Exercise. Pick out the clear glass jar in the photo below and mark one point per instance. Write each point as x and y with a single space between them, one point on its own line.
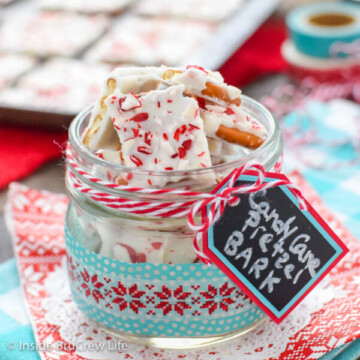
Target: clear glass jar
114 257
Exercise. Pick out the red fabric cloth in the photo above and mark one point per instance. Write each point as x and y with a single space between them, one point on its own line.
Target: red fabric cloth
260 55
22 150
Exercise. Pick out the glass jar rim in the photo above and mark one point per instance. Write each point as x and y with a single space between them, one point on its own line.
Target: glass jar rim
78 147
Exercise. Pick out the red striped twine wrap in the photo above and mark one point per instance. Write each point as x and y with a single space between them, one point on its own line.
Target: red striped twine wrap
176 209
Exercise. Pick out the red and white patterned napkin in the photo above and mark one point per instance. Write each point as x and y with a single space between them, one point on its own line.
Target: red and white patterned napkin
36 221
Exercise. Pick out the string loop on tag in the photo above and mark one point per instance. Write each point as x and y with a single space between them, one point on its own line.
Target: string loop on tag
214 203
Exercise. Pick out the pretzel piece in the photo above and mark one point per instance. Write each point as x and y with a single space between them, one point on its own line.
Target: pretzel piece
111 86
216 91
238 137
122 181
169 74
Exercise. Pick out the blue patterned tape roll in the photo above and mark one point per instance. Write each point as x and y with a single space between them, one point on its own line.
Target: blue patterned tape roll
316 40
157 300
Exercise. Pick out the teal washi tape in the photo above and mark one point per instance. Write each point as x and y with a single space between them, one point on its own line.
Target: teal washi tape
315 28
157 300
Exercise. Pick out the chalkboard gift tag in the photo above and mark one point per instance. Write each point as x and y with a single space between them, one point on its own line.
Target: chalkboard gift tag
274 251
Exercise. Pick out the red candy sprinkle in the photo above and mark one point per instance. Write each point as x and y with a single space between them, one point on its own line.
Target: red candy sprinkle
229 111
165 136
177 134
182 152
197 67
147 138
156 245
149 182
100 155
174 156
144 150
140 258
136 160
124 98
140 117
169 168
136 132
201 102
158 104
169 101
156 161
192 127
187 144
181 130
201 154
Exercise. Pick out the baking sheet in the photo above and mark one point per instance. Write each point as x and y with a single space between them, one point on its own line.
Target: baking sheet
227 37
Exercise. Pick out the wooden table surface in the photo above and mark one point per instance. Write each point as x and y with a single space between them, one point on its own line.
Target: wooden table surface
51 176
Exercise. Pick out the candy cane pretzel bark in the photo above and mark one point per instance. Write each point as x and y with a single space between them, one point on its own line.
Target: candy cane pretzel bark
150 41
207 10
12 66
101 136
150 246
111 7
51 33
221 112
166 123
161 118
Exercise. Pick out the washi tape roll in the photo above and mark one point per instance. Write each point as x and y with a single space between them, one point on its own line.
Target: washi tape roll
300 66
315 28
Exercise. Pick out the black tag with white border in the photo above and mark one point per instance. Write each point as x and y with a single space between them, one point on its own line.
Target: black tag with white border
274 251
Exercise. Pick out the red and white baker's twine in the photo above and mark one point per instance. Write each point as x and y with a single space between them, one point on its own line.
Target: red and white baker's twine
216 203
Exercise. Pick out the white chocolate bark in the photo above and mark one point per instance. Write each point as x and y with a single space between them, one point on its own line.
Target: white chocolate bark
231 117
148 41
161 130
161 119
147 246
85 6
127 79
39 33
195 79
12 66
61 85
208 10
